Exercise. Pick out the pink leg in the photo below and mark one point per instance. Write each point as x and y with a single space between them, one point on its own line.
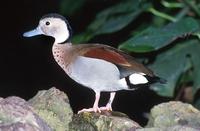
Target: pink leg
108 106
95 107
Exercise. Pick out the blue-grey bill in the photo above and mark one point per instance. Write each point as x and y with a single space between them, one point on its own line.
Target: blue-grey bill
34 32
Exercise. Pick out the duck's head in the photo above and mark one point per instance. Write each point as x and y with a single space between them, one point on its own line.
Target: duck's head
53 25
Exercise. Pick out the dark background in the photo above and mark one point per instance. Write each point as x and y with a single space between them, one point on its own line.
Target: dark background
27 65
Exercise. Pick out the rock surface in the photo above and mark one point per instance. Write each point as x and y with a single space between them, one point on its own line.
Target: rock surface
53 107
106 121
17 115
171 128
174 116
50 110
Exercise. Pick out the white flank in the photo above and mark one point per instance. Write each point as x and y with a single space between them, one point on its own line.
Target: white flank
123 83
137 79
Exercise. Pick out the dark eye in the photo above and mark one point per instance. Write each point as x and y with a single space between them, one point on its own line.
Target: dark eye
47 23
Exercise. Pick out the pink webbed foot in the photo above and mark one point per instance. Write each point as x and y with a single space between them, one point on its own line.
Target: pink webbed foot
94 109
95 106
108 107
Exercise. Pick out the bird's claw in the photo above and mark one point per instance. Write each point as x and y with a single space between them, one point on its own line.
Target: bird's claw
94 109
108 107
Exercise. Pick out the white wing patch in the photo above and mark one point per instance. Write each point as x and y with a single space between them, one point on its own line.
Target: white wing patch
138 79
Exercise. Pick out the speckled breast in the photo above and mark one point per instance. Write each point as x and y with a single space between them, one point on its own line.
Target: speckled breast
59 53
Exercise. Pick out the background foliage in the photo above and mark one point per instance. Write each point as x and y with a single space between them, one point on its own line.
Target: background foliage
165 32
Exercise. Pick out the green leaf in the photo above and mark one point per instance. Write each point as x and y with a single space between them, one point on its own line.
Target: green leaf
196 65
155 38
173 63
83 37
197 104
68 7
115 18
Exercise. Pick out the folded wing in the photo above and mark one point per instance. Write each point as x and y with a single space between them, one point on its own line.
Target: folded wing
126 63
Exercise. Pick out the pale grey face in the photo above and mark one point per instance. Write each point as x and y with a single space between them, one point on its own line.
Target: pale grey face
54 27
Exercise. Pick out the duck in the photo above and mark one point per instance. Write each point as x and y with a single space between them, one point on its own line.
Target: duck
99 67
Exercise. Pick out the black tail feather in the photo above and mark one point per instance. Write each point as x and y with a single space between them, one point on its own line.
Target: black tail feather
151 80
162 80
156 79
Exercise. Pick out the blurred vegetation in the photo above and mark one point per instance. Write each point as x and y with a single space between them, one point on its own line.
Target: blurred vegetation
166 32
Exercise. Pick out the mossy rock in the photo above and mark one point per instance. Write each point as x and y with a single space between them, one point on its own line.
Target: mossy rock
105 121
53 107
174 113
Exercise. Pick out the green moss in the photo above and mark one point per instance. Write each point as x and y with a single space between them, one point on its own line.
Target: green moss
52 119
